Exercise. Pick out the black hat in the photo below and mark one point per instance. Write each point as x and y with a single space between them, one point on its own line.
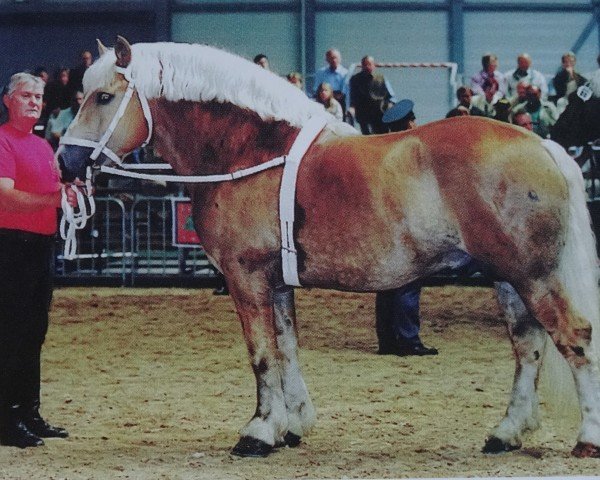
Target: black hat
399 112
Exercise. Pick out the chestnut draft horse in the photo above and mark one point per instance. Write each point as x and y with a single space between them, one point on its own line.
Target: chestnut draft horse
367 214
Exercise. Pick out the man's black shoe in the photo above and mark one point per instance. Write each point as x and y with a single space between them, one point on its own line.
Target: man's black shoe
38 426
417 349
17 435
14 433
30 415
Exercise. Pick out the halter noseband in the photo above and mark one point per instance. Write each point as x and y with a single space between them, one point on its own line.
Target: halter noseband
100 145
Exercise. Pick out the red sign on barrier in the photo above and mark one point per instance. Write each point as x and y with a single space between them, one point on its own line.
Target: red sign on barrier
184 234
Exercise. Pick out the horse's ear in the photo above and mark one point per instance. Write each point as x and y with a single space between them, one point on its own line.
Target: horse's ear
101 48
123 52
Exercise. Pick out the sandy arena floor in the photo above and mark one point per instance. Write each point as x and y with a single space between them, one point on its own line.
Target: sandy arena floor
155 384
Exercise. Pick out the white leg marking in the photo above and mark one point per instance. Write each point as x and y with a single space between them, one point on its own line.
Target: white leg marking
587 379
269 423
528 340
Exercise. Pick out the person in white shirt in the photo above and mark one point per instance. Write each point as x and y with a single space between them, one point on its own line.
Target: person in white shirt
524 72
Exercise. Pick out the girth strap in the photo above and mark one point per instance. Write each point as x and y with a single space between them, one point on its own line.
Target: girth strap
287 197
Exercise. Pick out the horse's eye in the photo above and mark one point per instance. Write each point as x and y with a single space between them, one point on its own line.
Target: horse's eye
103 98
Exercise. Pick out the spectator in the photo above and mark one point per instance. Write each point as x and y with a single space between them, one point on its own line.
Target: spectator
520 95
580 122
486 101
76 76
460 111
295 79
489 63
58 126
40 127
523 119
465 97
524 72
542 112
262 61
325 97
42 72
370 97
57 92
503 110
397 320
336 76
30 194
567 79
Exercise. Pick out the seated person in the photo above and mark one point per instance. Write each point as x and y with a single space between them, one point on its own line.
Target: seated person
325 97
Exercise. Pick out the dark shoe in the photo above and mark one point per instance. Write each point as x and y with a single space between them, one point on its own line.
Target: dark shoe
417 349
41 428
389 349
37 425
14 433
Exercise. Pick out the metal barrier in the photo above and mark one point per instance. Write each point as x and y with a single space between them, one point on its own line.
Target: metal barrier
129 242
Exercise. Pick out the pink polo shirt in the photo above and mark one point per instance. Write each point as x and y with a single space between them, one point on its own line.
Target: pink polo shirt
29 161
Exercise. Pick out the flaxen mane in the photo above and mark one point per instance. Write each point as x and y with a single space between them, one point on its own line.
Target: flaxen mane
202 73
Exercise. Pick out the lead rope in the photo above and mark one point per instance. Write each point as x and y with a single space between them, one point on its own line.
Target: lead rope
76 220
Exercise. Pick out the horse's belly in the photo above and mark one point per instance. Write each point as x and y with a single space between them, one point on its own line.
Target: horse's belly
368 257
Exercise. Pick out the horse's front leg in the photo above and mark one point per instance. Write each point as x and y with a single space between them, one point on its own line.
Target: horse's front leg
528 340
300 411
269 424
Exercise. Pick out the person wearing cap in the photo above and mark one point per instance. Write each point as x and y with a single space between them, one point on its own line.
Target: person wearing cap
397 320
400 117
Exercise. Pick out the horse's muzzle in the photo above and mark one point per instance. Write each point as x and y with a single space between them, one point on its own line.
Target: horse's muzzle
74 160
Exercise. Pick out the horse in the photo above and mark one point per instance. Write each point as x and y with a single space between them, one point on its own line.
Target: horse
289 197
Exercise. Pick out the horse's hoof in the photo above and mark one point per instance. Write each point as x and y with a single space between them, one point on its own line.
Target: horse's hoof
495 445
586 450
291 439
251 447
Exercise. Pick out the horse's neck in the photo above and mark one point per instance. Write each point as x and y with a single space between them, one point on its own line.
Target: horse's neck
204 138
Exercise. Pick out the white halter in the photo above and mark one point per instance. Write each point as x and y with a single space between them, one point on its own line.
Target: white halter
100 146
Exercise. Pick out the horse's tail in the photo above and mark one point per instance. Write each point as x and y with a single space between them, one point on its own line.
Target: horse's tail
578 268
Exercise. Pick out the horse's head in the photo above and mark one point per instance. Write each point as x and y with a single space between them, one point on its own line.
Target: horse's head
114 118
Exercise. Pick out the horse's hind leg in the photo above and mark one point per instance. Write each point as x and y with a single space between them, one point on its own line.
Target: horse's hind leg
528 340
571 332
300 411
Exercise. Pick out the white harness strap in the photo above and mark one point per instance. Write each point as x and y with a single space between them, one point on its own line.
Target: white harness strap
225 177
287 197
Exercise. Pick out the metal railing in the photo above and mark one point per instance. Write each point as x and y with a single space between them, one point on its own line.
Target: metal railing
129 242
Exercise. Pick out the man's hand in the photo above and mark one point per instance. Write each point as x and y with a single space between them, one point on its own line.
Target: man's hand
72 192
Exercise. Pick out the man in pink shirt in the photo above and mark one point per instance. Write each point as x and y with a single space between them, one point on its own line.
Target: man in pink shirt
30 193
